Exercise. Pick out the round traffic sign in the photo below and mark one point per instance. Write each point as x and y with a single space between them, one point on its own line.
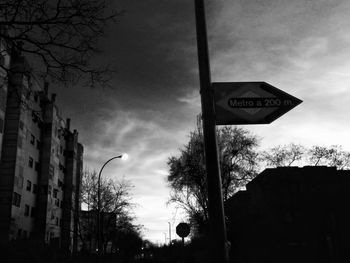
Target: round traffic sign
182 230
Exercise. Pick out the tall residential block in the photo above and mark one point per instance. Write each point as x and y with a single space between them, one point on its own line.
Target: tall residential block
4 63
41 162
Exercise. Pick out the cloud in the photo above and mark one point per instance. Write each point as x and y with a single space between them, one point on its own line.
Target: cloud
161 172
299 47
191 99
149 143
153 49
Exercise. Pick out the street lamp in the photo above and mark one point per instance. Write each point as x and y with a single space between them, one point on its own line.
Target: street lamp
123 156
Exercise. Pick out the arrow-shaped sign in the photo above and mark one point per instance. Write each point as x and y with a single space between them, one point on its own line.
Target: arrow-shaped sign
250 103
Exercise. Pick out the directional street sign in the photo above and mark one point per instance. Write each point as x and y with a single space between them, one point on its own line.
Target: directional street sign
250 103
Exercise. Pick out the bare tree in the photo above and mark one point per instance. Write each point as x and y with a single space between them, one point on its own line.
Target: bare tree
238 158
115 203
283 155
294 154
59 37
331 156
187 178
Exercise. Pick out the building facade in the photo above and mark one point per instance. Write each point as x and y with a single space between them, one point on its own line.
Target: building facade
291 214
41 162
4 63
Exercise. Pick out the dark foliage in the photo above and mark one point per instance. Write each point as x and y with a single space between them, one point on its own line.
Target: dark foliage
187 177
58 37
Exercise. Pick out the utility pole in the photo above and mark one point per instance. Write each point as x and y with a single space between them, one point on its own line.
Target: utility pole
218 240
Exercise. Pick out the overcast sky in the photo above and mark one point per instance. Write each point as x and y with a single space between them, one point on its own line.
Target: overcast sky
300 46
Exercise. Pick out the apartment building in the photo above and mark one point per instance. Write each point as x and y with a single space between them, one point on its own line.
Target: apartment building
4 63
40 165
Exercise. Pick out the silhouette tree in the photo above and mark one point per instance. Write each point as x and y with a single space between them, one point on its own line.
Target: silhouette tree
330 156
187 178
115 204
285 155
295 154
126 237
58 36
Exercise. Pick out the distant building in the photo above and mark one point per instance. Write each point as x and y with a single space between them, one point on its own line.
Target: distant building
291 214
41 162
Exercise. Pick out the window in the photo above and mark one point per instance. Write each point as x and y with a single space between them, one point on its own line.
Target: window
35 117
57 221
24 234
51 171
38 144
1 125
21 125
57 202
19 232
60 183
30 162
32 214
26 210
37 166
32 139
16 200
29 185
50 189
55 191
35 188
36 96
2 60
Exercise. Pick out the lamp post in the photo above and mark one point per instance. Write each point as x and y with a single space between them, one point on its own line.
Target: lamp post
123 156
169 233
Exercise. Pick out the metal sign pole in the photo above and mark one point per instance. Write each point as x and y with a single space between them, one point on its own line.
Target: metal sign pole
218 238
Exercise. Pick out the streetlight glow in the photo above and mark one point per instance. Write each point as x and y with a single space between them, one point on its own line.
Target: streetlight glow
125 156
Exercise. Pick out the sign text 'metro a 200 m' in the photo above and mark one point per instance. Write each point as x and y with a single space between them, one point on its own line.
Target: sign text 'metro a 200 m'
259 103
250 103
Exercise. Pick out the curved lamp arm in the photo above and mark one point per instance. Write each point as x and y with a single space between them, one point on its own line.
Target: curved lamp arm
103 166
